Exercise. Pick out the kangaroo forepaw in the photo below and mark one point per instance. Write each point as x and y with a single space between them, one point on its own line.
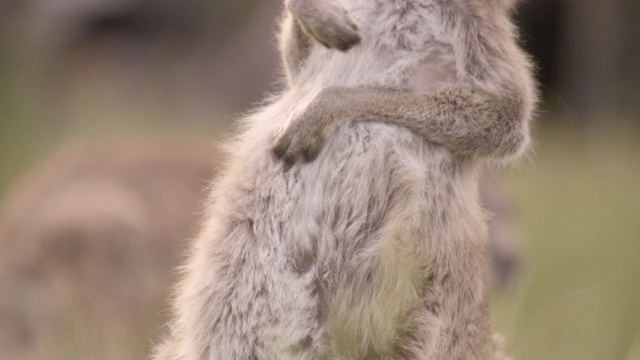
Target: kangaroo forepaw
300 138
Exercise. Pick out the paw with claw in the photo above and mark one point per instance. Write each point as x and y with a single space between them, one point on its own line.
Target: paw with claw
327 22
304 135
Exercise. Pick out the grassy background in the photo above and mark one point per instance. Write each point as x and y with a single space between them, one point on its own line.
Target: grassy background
580 210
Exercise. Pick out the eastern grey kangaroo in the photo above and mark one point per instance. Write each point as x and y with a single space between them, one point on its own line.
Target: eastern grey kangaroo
376 248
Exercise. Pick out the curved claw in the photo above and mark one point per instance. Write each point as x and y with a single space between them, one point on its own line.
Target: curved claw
284 148
310 154
280 148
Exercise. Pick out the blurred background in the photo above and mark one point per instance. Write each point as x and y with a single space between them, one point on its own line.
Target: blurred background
109 110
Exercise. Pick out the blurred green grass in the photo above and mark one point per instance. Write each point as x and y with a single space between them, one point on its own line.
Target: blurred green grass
580 209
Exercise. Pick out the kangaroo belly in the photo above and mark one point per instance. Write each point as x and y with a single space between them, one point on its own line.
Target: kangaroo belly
356 228
374 197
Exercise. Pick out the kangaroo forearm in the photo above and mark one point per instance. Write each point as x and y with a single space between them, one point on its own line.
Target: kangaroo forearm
467 121
295 45
484 112
489 61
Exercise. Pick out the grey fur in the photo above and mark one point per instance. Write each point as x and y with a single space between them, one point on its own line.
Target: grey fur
376 249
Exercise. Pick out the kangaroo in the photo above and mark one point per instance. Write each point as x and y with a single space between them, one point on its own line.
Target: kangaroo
376 248
88 239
